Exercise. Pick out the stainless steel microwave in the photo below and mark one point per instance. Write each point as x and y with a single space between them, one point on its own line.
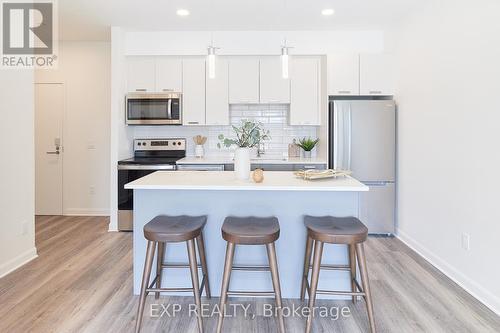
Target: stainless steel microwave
154 108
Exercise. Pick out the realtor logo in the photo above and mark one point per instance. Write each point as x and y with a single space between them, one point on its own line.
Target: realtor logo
28 34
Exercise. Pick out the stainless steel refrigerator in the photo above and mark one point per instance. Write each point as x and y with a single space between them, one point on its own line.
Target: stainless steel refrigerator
363 140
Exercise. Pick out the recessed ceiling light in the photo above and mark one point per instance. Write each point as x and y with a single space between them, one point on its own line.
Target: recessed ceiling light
327 11
182 12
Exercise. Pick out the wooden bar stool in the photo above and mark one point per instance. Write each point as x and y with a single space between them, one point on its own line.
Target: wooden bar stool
336 230
172 229
251 231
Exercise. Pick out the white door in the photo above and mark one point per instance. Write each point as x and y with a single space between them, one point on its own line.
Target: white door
243 80
376 72
217 92
49 111
305 91
168 74
141 74
343 74
193 97
274 89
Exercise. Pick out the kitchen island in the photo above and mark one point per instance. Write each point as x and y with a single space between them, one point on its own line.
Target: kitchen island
218 194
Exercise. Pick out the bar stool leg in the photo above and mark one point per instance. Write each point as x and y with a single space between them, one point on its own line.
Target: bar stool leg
148 264
307 262
318 252
273 264
193 265
366 284
352 263
159 270
204 266
228 265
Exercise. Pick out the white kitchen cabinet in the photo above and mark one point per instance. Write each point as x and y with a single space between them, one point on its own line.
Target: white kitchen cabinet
343 74
168 74
305 91
141 74
243 80
217 94
193 88
274 89
376 75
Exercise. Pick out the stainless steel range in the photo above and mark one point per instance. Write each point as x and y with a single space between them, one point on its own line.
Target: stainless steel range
150 155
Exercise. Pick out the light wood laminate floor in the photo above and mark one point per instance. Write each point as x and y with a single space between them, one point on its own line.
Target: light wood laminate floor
82 282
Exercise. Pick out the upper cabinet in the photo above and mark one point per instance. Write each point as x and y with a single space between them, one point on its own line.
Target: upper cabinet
193 91
365 75
274 89
305 103
217 94
141 74
243 80
168 74
376 74
343 74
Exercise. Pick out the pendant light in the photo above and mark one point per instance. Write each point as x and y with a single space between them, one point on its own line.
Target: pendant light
284 61
284 52
211 61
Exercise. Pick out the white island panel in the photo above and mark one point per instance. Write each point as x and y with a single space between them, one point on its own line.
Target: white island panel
217 195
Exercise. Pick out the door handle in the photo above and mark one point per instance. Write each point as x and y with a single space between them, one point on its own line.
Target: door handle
57 152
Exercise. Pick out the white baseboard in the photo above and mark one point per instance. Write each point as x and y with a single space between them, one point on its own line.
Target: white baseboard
17 262
85 212
473 288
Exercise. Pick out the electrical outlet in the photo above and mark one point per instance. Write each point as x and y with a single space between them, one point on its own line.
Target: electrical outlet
465 241
92 190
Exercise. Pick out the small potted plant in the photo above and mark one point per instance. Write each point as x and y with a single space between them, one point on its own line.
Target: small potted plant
248 135
307 144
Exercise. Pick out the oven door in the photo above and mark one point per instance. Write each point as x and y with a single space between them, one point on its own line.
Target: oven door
127 174
154 109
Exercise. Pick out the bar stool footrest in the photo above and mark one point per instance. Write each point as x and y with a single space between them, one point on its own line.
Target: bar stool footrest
250 293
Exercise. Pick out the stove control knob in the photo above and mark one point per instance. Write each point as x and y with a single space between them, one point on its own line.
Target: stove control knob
174 143
179 143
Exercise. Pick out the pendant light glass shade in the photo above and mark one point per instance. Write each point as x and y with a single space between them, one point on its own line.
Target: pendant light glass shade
284 62
211 62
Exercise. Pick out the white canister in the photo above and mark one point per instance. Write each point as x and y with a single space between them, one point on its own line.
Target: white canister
199 151
242 163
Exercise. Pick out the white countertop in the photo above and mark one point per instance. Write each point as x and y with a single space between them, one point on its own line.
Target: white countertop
260 160
226 181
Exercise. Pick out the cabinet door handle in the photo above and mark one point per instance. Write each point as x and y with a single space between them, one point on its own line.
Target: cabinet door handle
167 89
375 92
344 91
193 122
141 89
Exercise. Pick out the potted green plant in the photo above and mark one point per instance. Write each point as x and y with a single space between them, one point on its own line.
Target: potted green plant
248 135
307 144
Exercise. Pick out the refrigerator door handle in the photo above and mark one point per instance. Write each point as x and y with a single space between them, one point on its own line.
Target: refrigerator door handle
349 137
335 137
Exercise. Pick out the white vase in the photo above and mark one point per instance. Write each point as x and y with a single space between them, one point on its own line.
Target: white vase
242 163
199 151
307 154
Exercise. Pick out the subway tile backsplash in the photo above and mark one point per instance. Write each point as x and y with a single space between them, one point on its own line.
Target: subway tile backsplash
274 117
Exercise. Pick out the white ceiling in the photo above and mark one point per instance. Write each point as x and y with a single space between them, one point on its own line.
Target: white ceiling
91 19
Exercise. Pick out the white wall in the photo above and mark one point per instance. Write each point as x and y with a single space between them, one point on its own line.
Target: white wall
449 136
84 69
17 169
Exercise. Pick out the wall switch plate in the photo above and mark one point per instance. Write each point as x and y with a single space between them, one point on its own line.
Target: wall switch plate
92 190
465 241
